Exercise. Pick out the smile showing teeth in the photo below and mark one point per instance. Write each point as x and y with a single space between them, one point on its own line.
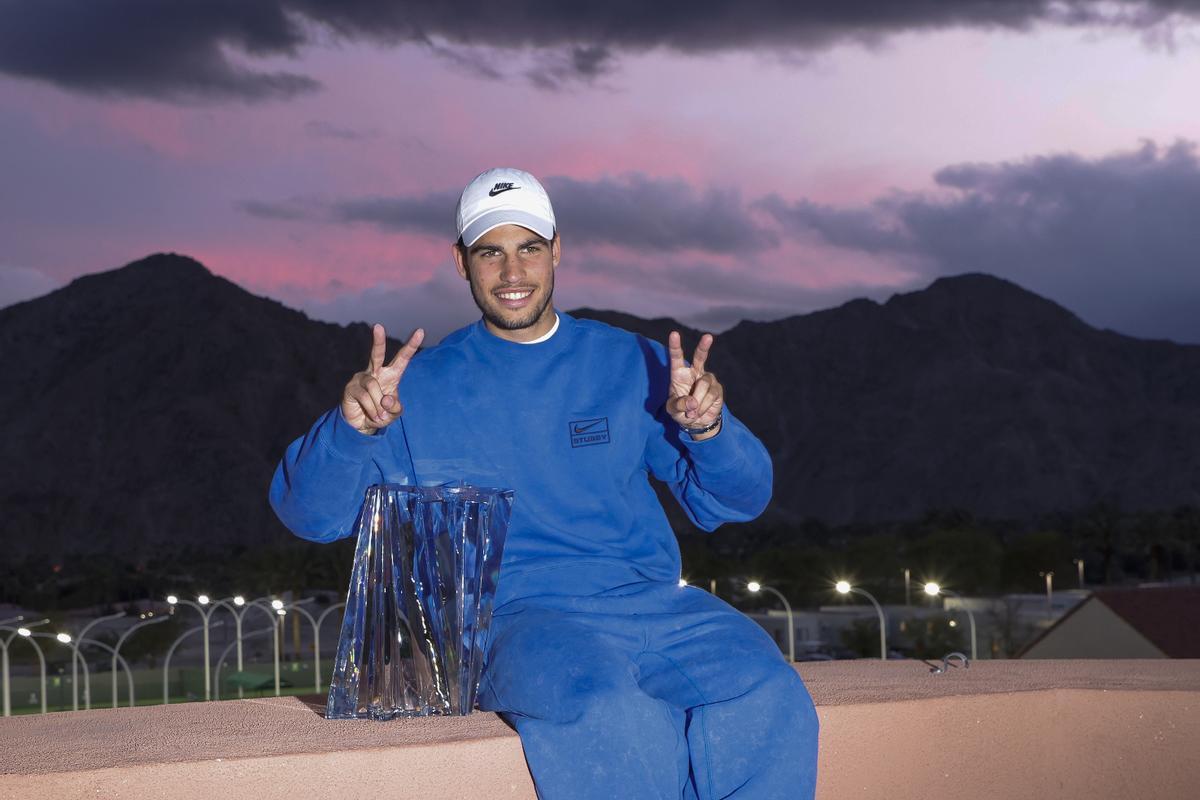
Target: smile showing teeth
521 295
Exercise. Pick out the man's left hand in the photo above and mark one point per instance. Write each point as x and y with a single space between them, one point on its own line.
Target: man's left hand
696 397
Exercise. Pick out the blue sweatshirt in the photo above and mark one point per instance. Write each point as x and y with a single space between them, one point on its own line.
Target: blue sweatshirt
573 425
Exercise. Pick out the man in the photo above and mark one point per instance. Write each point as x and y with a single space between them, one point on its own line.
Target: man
621 683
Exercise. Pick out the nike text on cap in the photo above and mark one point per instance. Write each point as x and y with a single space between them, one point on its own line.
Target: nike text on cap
504 196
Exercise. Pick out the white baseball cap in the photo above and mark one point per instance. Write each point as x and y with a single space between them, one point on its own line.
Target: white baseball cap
503 196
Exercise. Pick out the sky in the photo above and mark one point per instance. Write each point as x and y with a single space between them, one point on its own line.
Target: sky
707 161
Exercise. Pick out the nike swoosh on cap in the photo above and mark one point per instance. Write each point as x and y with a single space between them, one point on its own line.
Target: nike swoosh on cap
501 190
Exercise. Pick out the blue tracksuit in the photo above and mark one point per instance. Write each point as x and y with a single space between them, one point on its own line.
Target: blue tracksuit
621 683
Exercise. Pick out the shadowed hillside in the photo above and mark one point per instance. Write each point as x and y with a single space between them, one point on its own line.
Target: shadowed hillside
146 407
971 394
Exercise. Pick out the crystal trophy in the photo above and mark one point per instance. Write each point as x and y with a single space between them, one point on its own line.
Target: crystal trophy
420 601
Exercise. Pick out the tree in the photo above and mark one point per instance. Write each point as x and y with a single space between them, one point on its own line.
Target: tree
1032 553
1011 633
1101 528
1187 528
965 558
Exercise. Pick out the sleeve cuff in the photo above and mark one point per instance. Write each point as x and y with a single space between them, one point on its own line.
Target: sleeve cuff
722 452
343 440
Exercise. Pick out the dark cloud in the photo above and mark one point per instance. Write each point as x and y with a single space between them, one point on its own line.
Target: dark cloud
431 214
287 211
857 228
646 213
178 50
169 51
558 69
1113 238
634 211
466 60
322 129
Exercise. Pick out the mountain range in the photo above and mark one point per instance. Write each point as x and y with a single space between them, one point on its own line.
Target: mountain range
144 409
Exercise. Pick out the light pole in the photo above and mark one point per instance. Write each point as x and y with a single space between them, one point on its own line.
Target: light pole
5 689
317 639
844 587
87 681
907 586
206 613
27 635
24 633
65 639
225 652
279 609
276 610
117 654
116 658
1078 562
171 652
755 587
1049 576
5 685
933 590
236 606
316 643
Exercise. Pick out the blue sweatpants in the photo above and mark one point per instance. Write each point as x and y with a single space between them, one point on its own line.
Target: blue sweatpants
650 690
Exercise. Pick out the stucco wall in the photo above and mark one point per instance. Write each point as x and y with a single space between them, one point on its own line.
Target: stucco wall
1015 729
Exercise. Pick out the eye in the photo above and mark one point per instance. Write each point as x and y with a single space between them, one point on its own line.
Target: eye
532 248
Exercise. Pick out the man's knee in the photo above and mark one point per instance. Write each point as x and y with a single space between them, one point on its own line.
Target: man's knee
557 674
778 700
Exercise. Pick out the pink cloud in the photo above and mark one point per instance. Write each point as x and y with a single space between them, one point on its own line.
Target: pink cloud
167 130
327 260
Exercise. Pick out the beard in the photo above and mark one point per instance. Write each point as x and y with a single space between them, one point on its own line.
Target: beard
495 317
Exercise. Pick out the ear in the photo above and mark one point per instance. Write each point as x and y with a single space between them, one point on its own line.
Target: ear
460 260
555 249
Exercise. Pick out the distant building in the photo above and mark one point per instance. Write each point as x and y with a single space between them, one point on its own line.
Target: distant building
811 633
820 633
1033 609
1125 623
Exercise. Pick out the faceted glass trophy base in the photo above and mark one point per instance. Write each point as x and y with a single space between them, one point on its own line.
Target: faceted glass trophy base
420 601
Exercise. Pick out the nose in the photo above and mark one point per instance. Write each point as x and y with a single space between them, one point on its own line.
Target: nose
512 271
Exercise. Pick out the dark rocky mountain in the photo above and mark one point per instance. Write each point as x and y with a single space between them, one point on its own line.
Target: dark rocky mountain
972 394
143 410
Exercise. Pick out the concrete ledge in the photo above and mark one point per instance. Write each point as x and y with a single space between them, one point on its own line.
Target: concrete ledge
1001 729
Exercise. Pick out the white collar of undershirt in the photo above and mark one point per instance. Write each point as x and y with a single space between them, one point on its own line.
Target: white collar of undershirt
548 334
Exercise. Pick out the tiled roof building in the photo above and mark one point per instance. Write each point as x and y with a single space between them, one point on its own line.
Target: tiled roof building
1152 622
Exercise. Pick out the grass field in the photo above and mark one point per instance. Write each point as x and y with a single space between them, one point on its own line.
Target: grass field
186 684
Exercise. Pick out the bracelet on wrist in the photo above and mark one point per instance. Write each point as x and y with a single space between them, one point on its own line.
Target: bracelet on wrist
698 431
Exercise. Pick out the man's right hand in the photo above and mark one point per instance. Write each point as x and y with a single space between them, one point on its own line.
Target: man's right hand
370 401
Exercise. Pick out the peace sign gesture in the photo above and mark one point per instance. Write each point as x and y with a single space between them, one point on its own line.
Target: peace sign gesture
369 401
696 397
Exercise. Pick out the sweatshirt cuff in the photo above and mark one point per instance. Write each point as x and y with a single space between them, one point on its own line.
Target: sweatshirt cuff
341 438
722 452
